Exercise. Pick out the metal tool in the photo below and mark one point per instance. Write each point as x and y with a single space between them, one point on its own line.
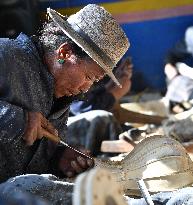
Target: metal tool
57 139
144 192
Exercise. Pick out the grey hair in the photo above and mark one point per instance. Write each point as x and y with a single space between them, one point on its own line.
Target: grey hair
52 37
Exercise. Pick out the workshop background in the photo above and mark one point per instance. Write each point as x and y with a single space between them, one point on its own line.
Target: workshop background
153 27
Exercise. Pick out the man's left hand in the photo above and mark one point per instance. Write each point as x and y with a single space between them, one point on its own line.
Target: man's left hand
72 163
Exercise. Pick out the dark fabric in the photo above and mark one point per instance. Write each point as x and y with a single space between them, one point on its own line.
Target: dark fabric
25 85
179 54
96 99
91 128
90 123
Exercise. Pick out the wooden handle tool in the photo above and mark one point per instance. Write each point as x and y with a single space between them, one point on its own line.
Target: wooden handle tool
56 139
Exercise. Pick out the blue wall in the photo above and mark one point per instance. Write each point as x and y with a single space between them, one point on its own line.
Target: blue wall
150 42
73 3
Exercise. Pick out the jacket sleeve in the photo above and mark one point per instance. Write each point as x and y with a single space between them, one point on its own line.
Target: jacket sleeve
12 116
12 122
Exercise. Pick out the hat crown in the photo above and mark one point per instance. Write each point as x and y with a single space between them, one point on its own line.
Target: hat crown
103 30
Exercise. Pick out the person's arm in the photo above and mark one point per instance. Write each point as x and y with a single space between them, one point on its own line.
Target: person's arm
123 74
118 92
12 121
17 123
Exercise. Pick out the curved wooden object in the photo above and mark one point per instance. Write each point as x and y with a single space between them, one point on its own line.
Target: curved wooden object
160 161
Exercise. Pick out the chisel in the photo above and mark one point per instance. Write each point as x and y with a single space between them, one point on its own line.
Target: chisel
57 139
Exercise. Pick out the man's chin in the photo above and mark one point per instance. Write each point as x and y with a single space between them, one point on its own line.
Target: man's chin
67 94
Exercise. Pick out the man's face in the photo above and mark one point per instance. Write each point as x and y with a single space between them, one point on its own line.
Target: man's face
77 77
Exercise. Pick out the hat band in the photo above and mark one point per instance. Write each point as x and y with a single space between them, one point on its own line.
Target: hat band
90 42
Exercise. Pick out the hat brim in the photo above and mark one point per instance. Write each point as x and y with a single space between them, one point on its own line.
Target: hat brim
79 40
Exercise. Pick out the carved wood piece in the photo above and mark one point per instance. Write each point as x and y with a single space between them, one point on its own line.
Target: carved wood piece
162 162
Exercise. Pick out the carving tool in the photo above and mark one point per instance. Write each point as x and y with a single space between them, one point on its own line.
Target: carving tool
57 139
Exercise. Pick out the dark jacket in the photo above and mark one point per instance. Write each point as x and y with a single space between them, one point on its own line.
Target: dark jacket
97 98
25 85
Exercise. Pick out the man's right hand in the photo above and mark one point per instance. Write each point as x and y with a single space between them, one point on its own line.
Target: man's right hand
37 124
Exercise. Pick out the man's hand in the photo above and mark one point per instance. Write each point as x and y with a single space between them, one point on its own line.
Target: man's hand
37 124
72 163
123 74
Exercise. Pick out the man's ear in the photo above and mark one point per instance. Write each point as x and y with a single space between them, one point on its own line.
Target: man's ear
64 51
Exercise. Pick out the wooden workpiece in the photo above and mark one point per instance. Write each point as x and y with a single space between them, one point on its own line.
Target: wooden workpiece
160 161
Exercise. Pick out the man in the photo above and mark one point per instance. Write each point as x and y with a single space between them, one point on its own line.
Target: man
39 77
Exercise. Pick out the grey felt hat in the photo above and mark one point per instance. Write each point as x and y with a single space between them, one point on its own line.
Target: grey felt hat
97 33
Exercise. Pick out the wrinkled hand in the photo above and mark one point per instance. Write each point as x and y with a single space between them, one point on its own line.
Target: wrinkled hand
37 125
72 163
123 74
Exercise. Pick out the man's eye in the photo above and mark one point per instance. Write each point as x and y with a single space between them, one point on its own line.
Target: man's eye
93 79
89 78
